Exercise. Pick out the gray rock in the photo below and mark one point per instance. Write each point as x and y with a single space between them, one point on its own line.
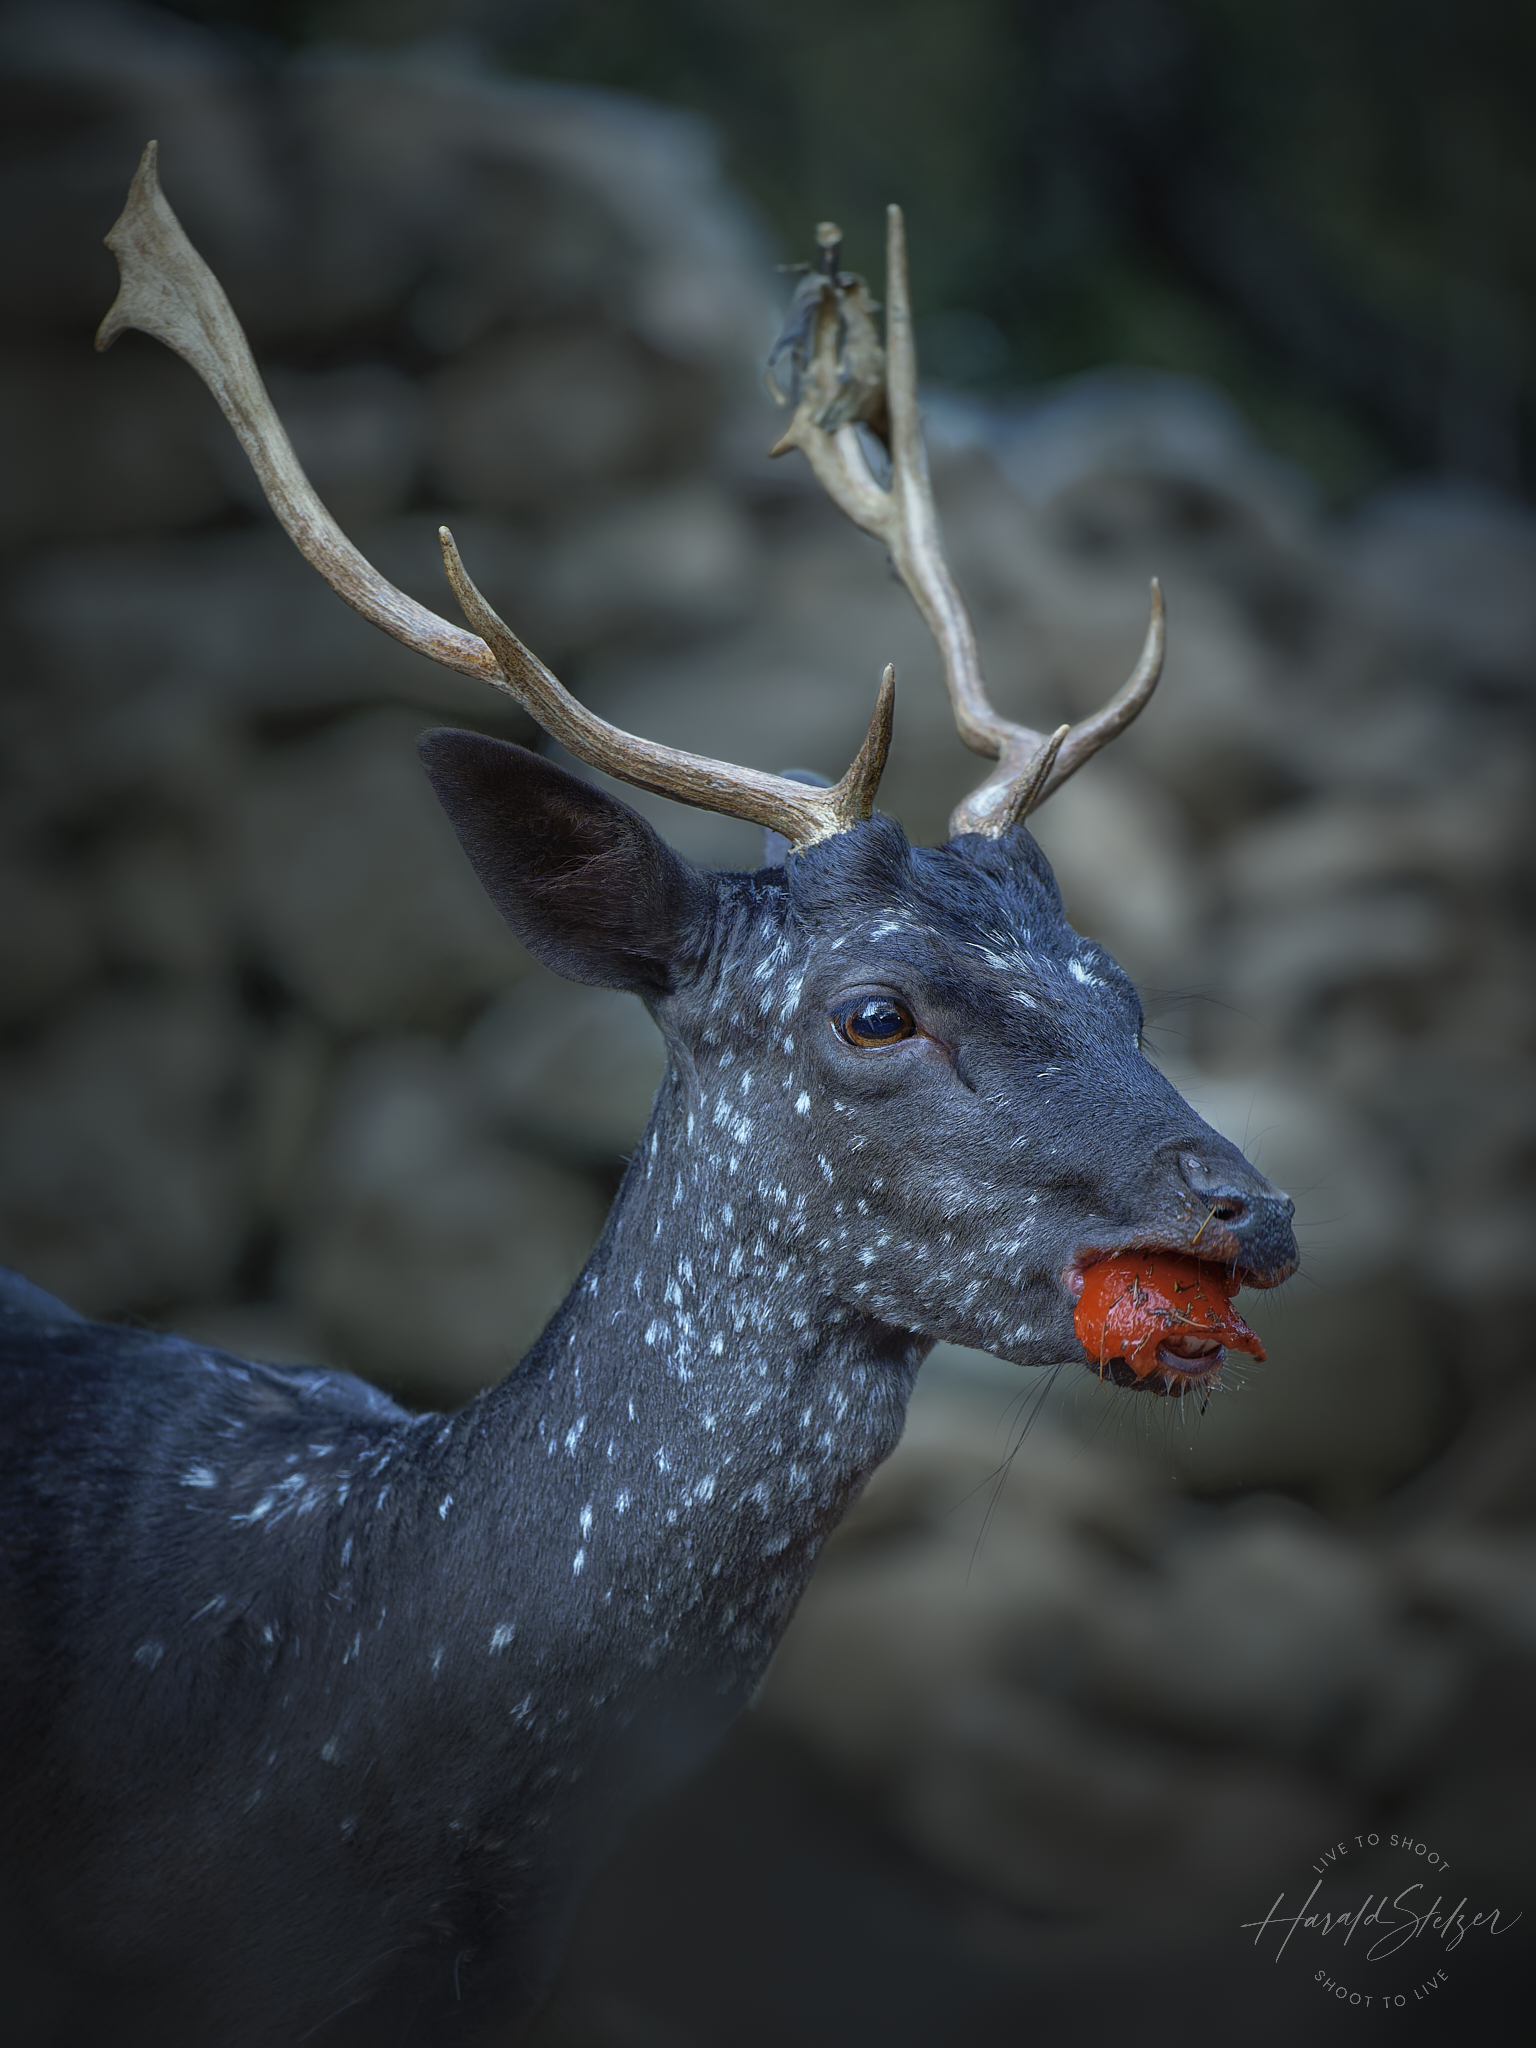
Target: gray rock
1124 860
146 663
46 942
1361 1353
122 1167
1472 1123
1454 565
530 421
1478 1576
1025 1797
159 895
290 1080
504 201
1290 963
1279 1627
1115 425
434 1255
89 449
355 891
667 563
566 1069
1305 853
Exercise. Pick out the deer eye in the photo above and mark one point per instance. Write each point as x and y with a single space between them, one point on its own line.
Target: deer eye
873 1021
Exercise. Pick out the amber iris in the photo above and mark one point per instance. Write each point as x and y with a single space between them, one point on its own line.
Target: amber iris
876 1020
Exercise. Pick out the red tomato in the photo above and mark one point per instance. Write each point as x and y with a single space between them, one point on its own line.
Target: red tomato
1160 1312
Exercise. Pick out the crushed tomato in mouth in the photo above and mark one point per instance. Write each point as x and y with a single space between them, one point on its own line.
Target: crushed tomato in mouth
1160 1312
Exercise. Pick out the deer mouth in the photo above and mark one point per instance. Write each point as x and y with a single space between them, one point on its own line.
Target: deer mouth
1216 1256
1183 1364
1157 1320
1178 1375
1193 1356
1233 1272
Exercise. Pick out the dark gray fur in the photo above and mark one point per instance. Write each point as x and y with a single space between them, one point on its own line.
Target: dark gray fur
319 1714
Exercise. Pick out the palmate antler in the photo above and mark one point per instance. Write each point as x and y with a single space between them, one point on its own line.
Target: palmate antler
167 291
840 379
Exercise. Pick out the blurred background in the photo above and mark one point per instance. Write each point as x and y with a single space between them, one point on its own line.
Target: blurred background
1238 293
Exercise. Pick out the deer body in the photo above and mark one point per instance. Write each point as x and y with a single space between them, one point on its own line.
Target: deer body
321 1713
348 1701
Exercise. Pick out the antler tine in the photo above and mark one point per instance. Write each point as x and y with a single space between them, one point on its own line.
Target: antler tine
1032 767
802 814
168 291
1031 764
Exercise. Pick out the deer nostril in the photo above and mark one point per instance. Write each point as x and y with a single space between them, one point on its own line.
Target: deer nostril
1211 1181
1236 1212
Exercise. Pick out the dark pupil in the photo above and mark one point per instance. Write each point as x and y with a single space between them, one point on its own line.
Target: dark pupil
876 1021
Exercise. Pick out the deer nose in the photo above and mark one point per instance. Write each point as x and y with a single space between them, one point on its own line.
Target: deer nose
1214 1180
1248 1215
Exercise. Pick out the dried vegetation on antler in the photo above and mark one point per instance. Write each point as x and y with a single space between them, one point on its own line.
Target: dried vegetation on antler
839 378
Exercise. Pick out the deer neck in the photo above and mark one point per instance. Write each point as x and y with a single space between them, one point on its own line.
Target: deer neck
701 1412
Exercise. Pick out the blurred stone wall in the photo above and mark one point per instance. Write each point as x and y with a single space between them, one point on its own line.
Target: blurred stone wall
274 1073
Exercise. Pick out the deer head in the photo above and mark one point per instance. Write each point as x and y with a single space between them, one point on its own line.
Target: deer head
902 1057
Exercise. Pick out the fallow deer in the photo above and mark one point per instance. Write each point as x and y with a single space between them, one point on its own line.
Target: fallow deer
317 1713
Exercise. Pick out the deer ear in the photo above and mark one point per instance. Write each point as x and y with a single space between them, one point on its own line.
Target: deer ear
584 882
